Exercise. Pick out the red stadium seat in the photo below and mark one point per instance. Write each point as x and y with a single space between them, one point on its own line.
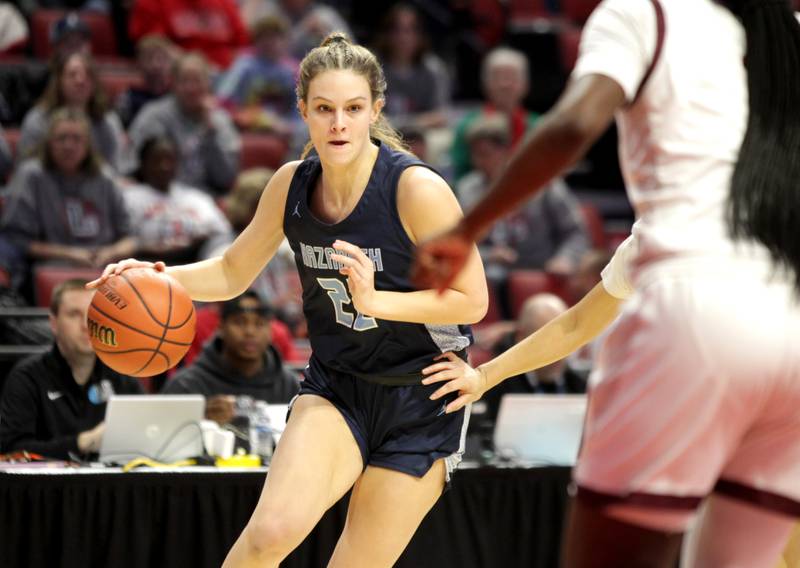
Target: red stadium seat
103 39
262 150
525 283
14 50
494 313
12 137
116 82
569 39
615 238
578 11
522 284
594 225
302 352
520 11
45 278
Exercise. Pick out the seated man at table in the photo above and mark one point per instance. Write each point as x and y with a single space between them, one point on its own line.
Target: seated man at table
556 378
54 404
239 360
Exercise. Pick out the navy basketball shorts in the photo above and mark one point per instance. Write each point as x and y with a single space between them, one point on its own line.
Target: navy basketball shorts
395 427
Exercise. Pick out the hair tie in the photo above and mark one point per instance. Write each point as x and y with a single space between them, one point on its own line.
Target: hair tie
336 38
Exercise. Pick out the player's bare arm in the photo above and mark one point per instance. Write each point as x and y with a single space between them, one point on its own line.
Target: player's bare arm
555 340
227 276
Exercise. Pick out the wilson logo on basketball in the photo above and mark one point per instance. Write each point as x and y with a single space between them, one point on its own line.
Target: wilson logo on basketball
103 334
113 297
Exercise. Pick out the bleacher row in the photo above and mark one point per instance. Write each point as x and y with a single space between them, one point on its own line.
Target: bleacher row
258 149
569 15
563 17
117 72
522 283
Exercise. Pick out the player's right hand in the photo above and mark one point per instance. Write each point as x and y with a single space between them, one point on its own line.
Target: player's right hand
118 267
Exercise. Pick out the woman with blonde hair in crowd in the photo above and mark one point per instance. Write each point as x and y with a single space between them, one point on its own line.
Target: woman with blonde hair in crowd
74 83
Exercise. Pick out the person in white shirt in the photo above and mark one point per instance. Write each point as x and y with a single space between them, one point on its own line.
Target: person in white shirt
171 220
696 388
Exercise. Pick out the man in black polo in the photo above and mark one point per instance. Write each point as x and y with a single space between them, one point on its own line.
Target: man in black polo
54 404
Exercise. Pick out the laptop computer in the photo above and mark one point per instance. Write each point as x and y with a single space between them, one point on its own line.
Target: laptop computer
165 428
540 429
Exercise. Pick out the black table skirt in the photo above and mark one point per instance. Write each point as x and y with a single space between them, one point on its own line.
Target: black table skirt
500 518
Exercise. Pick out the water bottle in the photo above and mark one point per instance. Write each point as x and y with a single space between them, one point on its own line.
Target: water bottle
261 441
240 423
244 405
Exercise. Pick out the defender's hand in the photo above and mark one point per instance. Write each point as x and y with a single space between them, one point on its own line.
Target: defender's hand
439 260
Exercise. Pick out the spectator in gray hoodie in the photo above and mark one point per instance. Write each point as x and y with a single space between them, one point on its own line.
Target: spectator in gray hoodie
240 360
209 144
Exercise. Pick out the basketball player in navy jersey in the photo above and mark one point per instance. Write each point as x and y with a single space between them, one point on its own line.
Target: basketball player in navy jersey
352 211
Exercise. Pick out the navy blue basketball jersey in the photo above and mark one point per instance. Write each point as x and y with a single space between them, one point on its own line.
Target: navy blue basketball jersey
341 338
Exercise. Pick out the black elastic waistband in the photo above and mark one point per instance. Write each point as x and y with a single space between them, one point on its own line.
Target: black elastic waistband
391 380
397 380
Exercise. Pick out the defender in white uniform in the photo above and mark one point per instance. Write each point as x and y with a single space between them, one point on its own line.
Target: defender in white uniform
697 389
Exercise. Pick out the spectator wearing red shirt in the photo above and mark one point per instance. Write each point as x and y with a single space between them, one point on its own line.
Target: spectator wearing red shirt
212 27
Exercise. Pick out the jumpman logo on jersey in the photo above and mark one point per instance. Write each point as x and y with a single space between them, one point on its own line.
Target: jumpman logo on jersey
296 210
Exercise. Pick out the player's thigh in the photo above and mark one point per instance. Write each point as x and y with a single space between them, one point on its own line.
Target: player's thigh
315 463
386 507
736 534
593 539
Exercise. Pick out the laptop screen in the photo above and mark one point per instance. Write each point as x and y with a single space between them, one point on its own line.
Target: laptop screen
537 429
165 428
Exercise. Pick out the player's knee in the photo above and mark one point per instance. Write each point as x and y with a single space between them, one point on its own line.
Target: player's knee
275 534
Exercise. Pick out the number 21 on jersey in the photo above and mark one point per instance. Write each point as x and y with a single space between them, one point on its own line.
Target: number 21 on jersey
337 292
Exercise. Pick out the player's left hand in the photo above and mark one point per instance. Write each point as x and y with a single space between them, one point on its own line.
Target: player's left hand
360 274
468 382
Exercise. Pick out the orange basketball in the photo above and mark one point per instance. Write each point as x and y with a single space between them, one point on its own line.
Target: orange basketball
141 322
